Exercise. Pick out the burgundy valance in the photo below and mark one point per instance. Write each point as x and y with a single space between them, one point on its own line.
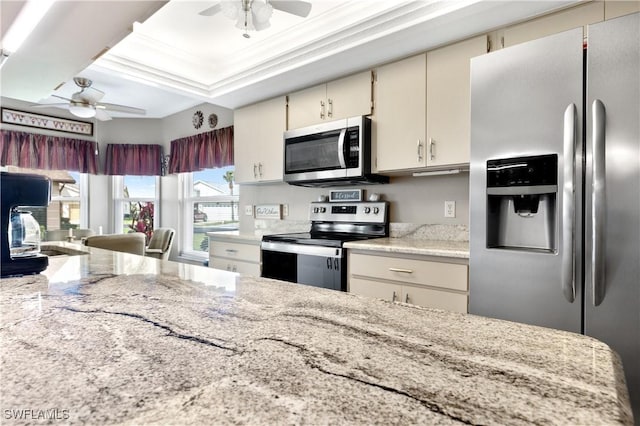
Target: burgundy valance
45 152
133 160
204 151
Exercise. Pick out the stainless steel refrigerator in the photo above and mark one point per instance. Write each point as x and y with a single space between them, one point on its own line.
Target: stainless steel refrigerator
555 186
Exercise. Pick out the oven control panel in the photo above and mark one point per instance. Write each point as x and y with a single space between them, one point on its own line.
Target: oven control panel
364 212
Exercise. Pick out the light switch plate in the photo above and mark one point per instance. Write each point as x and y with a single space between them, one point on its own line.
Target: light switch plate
248 210
449 209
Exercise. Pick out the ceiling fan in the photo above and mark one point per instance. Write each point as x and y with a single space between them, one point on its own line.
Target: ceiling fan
86 103
255 14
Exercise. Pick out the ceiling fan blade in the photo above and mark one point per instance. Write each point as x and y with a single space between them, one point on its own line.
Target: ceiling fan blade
211 10
92 95
61 97
102 115
295 7
121 108
50 105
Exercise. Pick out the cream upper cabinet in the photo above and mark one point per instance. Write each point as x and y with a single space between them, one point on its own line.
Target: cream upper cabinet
399 119
258 151
554 23
616 8
448 101
347 97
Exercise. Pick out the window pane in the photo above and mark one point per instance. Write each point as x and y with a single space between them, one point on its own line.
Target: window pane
60 213
215 204
138 217
139 187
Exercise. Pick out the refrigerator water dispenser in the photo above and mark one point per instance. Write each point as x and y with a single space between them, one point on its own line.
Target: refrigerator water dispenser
522 203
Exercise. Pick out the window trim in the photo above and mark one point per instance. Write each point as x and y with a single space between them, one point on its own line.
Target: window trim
117 195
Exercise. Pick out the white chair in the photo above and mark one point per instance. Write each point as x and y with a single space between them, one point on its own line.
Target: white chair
160 243
128 243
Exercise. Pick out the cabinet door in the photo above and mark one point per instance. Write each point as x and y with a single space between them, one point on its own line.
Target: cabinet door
399 125
307 107
235 266
448 301
349 96
258 150
448 101
375 289
574 17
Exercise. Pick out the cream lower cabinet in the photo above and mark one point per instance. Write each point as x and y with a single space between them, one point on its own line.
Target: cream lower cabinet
417 280
257 142
346 97
235 256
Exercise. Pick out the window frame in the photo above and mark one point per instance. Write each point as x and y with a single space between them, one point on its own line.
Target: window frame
117 185
187 198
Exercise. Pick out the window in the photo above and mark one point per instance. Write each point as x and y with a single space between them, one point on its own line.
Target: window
69 195
210 201
136 201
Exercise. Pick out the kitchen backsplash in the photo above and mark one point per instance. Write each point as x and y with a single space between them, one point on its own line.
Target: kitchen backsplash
414 231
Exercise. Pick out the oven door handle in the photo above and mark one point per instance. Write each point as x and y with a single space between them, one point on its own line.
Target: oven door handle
302 249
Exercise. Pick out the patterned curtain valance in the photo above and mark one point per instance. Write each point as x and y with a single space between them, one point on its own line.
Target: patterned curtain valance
134 160
204 151
45 152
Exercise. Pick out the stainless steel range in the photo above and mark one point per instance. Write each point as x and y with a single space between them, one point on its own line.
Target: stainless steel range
317 258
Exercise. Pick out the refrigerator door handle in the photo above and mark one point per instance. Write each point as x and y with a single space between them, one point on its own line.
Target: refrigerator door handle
598 200
568 205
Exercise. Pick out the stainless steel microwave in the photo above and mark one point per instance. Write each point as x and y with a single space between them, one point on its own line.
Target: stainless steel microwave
330 154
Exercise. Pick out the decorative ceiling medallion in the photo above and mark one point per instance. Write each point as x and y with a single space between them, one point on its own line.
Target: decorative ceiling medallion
198 119
213 120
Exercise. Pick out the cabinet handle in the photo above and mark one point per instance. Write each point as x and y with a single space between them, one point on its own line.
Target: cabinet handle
404 271
228 267
406 298
235 268
255 171
329 263
322 110
260 169
231 250
432 149
394 297
419 151
330 113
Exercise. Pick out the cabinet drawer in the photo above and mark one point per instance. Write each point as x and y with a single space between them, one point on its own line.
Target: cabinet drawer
248 268
247 252
377 290
429 298
434 274
448 301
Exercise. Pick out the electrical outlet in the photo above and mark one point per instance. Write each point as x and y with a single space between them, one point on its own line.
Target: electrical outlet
449 209
285 210
248 210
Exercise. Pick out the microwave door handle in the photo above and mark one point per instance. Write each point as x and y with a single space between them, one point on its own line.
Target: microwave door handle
341 147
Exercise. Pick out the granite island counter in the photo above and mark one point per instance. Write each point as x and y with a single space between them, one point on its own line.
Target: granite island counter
115 338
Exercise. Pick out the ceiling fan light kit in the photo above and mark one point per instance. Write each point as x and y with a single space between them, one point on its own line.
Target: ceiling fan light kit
82 110
254 15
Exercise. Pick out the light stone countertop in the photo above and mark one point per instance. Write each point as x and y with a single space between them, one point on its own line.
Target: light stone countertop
452 249
114 338
236 236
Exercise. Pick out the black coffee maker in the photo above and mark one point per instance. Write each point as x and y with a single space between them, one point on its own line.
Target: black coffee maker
18 191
